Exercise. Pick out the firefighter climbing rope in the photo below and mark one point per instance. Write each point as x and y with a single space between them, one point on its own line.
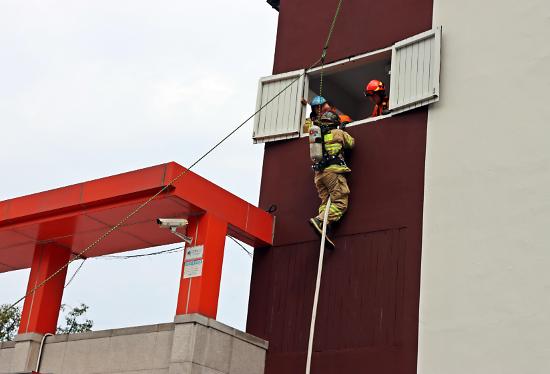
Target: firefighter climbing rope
318 149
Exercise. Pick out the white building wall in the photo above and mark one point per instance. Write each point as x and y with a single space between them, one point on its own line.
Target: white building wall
485 291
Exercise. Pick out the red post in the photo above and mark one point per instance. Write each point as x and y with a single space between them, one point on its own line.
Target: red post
41 308
199 294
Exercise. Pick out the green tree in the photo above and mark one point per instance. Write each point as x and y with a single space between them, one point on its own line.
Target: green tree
9 322
75 321
73 318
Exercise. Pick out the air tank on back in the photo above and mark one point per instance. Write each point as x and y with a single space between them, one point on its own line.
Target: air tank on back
315 143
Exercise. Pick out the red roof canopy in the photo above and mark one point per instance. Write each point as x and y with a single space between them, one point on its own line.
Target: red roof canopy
75 216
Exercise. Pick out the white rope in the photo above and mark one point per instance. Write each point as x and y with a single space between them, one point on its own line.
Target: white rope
317 287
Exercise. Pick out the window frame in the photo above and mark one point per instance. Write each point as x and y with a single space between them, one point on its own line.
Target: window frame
436 33
300 110
336 64
360 59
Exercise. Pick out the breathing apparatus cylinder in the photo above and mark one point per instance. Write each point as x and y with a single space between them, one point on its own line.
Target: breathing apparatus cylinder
315 143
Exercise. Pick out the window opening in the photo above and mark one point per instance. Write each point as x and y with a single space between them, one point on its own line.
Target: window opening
344 83
409 69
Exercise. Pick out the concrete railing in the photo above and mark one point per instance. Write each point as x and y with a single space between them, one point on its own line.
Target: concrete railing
192 344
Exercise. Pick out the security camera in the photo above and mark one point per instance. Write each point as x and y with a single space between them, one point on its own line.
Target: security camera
173 224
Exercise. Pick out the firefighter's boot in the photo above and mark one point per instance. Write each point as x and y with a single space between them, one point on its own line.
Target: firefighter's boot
317 225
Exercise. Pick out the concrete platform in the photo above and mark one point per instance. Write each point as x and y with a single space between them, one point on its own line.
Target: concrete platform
193 344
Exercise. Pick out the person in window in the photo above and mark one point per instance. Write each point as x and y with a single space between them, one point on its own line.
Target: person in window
344 120
319 106
376 92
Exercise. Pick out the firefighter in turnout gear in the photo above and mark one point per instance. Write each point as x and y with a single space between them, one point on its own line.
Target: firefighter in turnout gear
376 92
327 145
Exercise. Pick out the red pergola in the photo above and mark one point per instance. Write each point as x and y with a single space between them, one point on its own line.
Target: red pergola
42 231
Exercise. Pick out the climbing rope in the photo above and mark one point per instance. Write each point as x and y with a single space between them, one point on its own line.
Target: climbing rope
80 254
327 42
317 288
327 207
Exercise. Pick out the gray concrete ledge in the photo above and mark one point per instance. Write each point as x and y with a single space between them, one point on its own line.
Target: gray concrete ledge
30 336
212 323
110 333
7 345
180 319
191 318
192 344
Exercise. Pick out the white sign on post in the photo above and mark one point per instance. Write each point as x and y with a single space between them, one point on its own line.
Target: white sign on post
194 253
192 269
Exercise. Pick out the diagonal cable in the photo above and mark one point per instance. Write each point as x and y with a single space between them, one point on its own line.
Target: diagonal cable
129 257
163 189
242 246
185 171
75 273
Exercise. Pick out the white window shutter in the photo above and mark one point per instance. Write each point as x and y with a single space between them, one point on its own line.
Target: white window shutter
282 117
415 69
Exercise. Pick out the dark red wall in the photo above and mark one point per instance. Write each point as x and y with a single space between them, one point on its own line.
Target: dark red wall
368 308
362 26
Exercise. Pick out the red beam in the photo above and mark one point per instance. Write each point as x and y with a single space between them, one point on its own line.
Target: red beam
41 309
200 294
249 223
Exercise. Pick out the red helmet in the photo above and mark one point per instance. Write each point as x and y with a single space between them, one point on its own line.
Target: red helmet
374 86
345 119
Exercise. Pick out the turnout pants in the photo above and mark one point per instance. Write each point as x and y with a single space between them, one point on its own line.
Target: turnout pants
335 185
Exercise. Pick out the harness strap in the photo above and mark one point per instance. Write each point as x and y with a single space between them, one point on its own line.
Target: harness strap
328 161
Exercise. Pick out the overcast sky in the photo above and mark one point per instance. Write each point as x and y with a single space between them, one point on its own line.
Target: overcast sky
94 88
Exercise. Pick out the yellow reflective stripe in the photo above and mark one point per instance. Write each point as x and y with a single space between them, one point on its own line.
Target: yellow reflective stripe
338 169
307 125
333 149
337 216
328 137
348 140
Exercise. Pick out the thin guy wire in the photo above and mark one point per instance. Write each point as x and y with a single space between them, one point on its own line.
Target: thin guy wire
185 171
242 246
128 257
172 250
74 274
